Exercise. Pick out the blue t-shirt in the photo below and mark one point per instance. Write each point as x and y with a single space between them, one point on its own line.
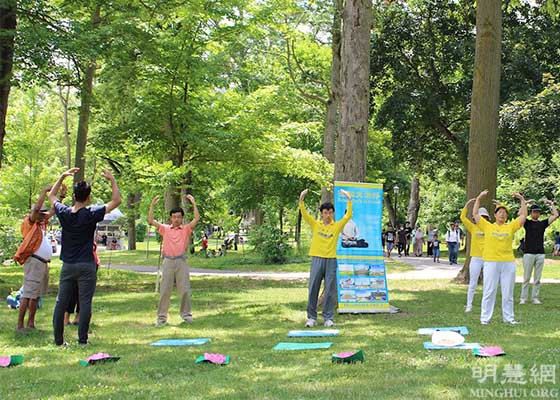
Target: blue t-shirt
78 230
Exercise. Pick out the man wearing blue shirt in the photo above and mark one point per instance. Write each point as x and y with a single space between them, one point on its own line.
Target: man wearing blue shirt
78 263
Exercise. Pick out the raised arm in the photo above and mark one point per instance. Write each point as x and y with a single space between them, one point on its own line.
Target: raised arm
468 224
34 215
56 187
523 209
151 220
196 218
476 206
554 214
304 214
115 194
348 213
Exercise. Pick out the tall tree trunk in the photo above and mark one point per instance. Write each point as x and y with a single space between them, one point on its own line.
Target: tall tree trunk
298 230
414 201
390 210
8 23
331 119
132 205
85 108
485 104
351 147
64 101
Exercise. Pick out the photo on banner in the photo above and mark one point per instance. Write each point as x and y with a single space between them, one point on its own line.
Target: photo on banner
361 274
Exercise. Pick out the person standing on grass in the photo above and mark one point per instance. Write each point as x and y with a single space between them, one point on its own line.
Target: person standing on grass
499 261
176 236
418 241
533 252
477 245
79 223
323 257
34 253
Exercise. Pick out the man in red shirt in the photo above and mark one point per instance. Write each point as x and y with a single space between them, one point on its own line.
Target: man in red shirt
176 238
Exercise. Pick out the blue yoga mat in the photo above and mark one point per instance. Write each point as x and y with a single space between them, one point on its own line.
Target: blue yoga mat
301 346
181 342
429 331
324 332
463 346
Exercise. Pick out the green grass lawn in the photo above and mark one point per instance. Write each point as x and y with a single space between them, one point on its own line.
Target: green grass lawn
245 318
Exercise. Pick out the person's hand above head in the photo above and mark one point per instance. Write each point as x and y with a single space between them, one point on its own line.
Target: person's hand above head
303 194
345 193
483 193
108 175
190 198
155 200
547 202
470 201
70 172
519 196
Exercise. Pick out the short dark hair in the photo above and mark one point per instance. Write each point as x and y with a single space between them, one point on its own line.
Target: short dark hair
81 191
326 206
176 210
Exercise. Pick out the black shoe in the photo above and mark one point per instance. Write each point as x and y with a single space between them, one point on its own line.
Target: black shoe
62 345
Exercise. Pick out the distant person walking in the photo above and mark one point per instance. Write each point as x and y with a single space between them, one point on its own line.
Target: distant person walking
499 261
430 239
175 269
533 252
418 241
453 240
556 251
323 257
79 223
390 239
401 240
477 247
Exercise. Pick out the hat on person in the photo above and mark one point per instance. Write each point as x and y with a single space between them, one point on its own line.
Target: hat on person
535 207
483 212
500 205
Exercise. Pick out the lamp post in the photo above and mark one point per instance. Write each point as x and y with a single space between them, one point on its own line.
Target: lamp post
396 192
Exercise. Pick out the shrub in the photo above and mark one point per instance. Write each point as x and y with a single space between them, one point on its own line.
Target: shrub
270 243
141 232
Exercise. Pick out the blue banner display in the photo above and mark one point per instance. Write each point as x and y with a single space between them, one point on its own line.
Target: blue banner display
361 274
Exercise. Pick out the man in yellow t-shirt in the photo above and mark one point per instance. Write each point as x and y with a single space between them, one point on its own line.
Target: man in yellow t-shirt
323 257
499 261
477 245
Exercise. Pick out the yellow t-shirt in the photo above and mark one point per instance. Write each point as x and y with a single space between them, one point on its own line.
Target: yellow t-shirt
325 237
477 236
498 240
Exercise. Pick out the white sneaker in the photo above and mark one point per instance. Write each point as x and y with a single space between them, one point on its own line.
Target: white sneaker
536 301
329 323
484 322
512 322
310 323
468 308
522 301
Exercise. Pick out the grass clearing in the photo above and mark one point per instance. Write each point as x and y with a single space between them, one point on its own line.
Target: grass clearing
245 318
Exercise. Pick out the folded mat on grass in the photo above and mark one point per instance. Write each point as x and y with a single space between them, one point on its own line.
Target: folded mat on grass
181 342
302 346
324 332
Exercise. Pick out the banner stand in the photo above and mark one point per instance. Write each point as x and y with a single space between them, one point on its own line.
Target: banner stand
361 274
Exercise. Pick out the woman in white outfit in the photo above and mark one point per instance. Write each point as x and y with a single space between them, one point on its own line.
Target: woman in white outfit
476 248
499 261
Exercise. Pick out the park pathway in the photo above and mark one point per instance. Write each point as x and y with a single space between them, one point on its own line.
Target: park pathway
424 268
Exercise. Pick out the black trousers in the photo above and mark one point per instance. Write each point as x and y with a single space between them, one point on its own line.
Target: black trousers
85 276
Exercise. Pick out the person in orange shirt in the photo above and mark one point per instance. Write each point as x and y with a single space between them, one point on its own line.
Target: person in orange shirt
176 238
34 253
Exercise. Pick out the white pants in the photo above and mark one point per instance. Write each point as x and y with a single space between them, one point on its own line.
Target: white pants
530 260
474 273
504 274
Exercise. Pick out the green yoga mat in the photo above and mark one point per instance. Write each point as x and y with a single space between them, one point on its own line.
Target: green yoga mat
302 346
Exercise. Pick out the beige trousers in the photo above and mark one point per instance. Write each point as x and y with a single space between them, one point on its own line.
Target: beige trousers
174 271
